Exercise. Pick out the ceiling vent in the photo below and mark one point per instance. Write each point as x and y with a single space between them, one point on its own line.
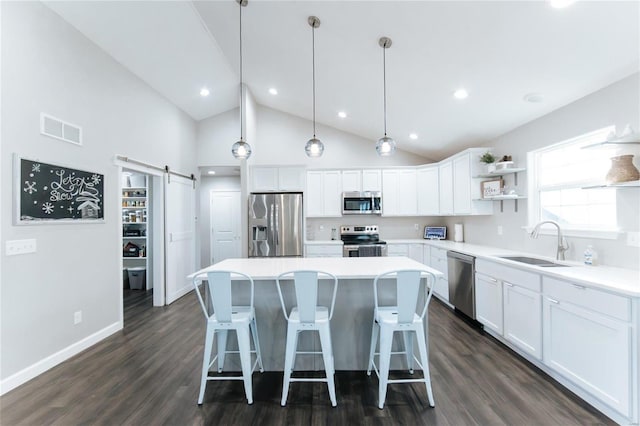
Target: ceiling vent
58 129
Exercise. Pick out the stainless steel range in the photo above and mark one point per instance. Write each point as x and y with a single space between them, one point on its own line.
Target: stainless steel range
362 241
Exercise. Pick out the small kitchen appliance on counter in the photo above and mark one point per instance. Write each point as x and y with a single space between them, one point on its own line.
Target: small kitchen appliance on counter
435 232
362 241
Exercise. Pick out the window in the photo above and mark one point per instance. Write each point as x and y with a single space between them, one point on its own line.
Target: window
559 174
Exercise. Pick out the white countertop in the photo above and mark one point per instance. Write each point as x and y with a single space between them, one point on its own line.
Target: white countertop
618 280
342 267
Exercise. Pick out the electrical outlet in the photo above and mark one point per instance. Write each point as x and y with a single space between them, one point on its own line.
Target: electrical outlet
16 247
321 227
416 226
633 239
499 229
77 317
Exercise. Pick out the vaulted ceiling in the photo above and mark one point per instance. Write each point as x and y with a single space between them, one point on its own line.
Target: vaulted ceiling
499 51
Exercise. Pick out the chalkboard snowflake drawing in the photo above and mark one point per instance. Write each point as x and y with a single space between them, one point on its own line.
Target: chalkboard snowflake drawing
47 208
35 167
30 187
95 179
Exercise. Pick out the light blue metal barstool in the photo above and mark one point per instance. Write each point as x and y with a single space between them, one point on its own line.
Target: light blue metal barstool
403 317
225 317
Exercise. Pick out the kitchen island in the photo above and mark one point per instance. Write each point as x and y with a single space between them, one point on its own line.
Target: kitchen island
353 314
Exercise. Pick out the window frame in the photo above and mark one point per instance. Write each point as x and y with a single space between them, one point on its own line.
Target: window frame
533 209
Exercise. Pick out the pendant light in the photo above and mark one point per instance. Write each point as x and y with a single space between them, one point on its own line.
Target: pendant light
314 148
241 149
386 146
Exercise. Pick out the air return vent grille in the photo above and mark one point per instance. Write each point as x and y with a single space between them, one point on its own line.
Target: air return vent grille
58 129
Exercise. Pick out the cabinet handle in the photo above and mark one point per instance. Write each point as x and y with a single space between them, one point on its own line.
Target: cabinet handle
508 284
553 300
578 286
493 280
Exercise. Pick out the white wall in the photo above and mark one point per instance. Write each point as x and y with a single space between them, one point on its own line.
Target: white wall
280 139
618 104
48 66
208 184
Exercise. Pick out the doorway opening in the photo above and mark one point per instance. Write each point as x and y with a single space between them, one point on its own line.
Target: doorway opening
137 237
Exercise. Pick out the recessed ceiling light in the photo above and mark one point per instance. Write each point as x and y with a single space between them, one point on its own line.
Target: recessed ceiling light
460 94
413 136
273 91
204 92
211 172
561 4
534 98
342 114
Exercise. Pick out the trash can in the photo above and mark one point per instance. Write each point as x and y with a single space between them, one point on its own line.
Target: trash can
137 278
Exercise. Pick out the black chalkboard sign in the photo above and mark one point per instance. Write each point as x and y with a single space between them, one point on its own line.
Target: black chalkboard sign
55 193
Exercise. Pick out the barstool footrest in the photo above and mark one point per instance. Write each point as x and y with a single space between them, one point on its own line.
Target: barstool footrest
310 379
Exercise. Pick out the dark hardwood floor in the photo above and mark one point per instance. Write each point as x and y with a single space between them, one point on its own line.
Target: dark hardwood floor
148 374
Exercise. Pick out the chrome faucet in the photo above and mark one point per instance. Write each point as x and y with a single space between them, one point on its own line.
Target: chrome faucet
562 243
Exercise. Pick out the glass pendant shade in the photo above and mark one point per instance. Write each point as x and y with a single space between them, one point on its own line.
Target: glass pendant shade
241 150
314 148
385 146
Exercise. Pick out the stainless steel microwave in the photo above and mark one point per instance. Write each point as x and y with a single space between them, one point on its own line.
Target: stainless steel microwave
369 202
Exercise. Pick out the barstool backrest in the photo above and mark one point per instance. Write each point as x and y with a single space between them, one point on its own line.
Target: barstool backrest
306 288
220 292
407 291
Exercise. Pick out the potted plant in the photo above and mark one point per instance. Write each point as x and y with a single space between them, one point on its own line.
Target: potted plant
489 159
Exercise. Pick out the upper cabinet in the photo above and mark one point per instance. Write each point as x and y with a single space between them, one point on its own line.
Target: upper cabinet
428 189
466 186
277 179
399 192
324 193
445 175
361 180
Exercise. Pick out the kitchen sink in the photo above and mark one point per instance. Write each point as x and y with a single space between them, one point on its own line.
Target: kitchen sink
533 261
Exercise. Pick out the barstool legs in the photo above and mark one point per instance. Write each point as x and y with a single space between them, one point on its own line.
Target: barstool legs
222 348
386 339
424 360
206 360
289 360
327 356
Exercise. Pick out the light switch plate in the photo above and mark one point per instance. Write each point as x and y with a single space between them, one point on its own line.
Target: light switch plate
633 239
15 247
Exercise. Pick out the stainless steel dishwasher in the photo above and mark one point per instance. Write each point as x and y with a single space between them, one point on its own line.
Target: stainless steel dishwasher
462 292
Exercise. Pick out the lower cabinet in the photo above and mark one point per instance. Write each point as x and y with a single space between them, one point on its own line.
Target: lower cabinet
523 318
328 250
438 261
591 349
489 302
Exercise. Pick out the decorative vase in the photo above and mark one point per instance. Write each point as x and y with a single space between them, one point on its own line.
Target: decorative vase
491 167
622 170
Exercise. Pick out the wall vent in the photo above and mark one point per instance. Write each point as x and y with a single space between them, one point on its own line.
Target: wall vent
58 129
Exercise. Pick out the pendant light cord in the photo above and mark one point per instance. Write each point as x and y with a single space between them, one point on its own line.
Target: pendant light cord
241 100
313 65
384 85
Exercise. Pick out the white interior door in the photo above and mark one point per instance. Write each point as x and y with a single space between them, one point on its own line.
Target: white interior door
225 225
180 243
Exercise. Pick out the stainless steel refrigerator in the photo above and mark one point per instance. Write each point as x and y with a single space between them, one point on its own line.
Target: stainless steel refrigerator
275 224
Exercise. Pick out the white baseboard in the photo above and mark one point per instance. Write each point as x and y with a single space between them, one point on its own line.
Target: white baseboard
178 294
51 361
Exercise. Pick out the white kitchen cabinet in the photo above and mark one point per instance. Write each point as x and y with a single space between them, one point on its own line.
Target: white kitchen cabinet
588 346
459 187
362 180
438 261
272 179
461 184
520 307
428 191
426 254
399 192
523 318
489 302
323 250
415 252
397 249
445 183
351 180
324 191
372 180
